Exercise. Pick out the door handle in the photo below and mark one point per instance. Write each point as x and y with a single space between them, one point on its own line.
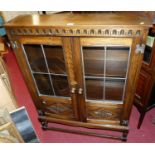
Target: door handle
44 102
80 91
73 90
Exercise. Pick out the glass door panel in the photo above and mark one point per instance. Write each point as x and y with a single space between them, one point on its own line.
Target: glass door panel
105 72
55 59
42 82
116 61
94 89
61 86
35 58
114 89
93 61
47 66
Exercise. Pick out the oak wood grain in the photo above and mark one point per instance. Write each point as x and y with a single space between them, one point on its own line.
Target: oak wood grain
72 32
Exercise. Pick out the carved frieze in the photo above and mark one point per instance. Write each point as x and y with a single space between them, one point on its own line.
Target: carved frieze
114 32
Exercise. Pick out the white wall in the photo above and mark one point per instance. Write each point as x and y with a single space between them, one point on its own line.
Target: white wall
8 15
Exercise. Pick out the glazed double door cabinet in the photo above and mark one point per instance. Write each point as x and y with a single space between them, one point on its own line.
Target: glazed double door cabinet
81 69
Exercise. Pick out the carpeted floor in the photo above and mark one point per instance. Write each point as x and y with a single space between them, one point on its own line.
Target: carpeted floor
145 134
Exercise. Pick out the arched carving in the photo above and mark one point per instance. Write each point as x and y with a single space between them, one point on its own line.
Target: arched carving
77 32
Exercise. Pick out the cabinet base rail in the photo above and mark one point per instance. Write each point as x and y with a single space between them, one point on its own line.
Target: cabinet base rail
86 133
44 121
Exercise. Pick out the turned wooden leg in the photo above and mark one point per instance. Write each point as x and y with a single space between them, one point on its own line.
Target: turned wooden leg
124 135
141 120
44 125
41 113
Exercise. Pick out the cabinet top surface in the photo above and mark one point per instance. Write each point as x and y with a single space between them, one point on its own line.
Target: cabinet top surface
86 19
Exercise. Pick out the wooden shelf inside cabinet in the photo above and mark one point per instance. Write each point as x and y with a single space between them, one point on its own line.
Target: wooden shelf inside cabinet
79 69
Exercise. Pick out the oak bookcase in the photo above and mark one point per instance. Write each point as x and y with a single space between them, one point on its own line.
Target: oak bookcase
81 69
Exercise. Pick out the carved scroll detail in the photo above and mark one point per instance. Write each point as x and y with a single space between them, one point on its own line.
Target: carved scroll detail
102 114
60 109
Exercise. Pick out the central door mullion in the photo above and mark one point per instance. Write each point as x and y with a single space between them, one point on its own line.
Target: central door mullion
104 80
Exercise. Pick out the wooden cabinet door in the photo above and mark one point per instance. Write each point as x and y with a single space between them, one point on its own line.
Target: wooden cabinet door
144 87
47 66
102 76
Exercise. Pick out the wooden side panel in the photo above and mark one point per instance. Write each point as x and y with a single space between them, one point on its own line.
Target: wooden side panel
142 86
134 69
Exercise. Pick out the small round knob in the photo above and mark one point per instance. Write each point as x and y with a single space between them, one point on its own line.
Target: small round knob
80 91
73 90
44 102
13 45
